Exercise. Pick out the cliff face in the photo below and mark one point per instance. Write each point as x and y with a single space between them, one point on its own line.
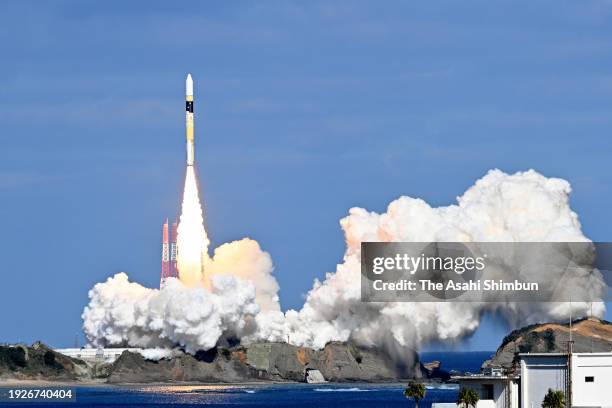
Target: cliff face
222 366
39 362
339 362
587 334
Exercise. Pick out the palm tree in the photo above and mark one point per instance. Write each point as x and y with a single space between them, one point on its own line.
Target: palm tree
415 390
467 398
554 399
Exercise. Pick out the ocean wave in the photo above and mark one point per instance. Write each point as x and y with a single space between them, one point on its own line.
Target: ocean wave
442 386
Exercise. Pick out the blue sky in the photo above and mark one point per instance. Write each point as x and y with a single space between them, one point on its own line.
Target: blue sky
304 109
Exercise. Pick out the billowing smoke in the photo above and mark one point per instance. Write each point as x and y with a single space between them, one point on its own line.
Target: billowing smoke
242 298
524 207
214 298
121 312
245 260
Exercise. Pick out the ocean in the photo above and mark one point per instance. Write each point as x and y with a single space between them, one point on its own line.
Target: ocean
273 395
462 361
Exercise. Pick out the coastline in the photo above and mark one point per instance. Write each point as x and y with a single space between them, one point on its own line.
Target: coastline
95 383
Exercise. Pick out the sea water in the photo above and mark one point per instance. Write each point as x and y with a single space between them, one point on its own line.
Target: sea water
265 395
351 395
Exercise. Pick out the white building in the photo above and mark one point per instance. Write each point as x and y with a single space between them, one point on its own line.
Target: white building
495 391
591 379
590 385
539 373
108 355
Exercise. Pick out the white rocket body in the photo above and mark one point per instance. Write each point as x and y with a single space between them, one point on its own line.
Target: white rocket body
189 120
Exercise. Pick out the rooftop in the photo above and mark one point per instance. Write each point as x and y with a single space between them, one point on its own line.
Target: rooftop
483 377
596 353
542 354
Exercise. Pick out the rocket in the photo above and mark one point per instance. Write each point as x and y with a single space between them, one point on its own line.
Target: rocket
189 119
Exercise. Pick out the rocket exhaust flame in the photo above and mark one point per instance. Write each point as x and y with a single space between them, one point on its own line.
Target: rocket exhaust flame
192 241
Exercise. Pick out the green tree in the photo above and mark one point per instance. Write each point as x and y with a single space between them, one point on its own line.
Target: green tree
467 398
554 399
416 391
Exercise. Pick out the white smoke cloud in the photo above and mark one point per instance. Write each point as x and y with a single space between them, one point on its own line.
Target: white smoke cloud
244 259
125 313
158 353
524 207
213 298
242 300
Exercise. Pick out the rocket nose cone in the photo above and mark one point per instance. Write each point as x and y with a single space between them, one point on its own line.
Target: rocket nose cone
189 85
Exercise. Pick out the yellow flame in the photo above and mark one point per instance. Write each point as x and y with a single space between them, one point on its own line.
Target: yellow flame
192 241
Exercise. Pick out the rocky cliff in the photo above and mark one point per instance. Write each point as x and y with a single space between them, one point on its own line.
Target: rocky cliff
587 335
339 362
39 362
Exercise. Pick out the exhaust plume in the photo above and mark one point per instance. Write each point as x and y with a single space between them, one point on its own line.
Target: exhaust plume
242 298
523 207
192 241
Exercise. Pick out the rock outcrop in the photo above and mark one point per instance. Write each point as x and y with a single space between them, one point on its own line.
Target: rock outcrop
338 362
39 362
587 335
217 365
433 370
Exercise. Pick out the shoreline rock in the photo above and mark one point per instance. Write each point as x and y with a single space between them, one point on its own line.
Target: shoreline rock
280 362
268 362
588 334
257 362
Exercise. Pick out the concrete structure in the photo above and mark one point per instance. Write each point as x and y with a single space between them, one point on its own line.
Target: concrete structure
540 372
587 377
108 355
495 391
591 379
